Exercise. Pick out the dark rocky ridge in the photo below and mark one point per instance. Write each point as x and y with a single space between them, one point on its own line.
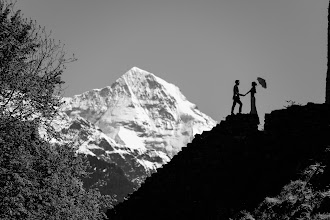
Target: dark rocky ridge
232 167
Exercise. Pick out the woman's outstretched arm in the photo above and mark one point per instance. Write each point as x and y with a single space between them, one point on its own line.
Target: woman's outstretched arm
247 92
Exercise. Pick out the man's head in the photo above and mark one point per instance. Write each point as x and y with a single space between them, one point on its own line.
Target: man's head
237 82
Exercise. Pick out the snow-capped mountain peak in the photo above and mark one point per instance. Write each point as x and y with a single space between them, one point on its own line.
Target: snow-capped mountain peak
129 129
141 111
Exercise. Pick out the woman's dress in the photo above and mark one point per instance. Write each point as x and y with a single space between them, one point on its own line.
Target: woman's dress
253 102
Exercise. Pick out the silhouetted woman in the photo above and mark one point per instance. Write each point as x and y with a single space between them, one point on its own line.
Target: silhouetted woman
253 100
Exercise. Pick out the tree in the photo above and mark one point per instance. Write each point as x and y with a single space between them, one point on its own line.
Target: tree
31 64
38 180
42 181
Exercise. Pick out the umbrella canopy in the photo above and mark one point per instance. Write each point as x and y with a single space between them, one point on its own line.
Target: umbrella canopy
262 82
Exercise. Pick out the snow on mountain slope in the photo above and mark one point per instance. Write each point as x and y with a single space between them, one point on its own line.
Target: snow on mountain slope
141 112
90 140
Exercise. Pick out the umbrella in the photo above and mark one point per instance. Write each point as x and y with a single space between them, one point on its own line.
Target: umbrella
262 82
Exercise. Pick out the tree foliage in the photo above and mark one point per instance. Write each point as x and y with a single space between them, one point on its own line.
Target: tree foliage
38 180
42 181
31 64
299 199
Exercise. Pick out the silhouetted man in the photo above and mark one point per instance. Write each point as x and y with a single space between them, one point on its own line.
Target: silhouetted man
236 98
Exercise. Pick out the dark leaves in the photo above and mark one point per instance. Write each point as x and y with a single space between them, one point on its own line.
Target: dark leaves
38 180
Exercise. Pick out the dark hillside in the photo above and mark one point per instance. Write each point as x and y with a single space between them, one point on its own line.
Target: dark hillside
232 167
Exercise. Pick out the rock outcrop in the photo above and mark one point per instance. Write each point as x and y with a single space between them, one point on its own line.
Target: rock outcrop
232 167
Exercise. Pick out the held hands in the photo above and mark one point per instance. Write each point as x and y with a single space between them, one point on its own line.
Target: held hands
246 93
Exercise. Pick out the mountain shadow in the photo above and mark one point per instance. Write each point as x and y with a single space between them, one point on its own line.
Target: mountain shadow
109 178
233 167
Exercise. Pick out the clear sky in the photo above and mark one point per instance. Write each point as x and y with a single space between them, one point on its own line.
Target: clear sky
201 46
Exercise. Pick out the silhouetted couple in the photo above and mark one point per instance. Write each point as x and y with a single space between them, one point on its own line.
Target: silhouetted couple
237 100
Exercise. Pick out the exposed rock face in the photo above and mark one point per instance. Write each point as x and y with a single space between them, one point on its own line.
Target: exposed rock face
129 129
233 167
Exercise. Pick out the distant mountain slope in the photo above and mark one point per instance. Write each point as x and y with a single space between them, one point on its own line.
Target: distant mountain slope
129 129
141 111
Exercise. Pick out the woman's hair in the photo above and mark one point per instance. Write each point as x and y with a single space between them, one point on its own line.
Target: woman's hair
236 81
254 83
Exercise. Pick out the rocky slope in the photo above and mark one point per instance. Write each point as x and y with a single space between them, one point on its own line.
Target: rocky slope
235 167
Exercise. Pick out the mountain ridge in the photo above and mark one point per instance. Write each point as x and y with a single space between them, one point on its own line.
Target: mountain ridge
132 127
